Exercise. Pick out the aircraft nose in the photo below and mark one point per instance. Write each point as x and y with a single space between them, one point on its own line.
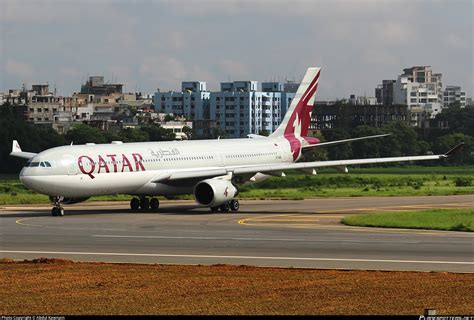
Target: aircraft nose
26 180
31 182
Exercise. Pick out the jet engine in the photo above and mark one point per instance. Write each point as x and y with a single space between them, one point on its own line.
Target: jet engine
214 192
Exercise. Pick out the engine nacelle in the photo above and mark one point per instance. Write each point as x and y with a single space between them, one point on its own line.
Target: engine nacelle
214 192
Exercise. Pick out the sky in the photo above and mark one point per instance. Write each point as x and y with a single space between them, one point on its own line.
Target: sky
150 44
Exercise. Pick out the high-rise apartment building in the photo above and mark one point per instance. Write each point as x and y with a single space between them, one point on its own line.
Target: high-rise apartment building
454 94
240 109
191 102
422 91
384 92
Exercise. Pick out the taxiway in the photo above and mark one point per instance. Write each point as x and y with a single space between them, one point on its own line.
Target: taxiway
281 233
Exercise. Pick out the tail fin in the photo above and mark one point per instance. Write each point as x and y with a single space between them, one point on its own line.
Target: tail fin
297 119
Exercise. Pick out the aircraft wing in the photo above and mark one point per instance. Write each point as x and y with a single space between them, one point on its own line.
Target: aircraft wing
278 168
16 151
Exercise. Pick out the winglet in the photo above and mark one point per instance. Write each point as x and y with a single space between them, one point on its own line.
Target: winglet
455 149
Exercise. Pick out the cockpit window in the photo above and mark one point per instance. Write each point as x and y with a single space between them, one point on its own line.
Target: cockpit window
42 164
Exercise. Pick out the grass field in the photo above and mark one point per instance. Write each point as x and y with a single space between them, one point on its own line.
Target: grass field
62 287
390 181
437 219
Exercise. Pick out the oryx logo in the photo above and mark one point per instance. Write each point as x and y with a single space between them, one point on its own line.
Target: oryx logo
298 123
226 191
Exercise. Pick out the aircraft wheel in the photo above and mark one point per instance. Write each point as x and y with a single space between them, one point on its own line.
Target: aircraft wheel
214 209
60 211
154 203
225 207
144 204
134 204
54 211
234 205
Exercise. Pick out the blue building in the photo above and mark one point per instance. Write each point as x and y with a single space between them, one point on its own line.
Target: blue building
240 108
191 102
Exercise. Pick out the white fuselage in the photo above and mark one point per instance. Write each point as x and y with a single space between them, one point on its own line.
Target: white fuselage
133 168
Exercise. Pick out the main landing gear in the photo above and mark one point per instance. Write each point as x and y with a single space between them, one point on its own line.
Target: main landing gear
232 205
57 210
144 203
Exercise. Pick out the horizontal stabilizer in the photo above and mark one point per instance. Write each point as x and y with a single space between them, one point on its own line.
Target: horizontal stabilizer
323 144
256 136
16 151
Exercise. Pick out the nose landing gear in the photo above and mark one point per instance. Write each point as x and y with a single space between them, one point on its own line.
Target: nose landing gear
57 210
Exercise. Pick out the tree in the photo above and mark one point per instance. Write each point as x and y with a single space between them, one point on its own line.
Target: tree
403 140
133 135
369 148
169 117
458 119
188 132
342 151
82 134
157 133
30 137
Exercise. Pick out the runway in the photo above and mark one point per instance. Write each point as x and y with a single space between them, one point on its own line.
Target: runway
283 233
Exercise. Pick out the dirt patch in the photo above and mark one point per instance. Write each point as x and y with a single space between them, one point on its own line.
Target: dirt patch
49 261
56 287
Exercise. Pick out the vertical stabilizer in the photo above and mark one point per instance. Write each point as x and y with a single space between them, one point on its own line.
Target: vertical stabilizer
295 124
297 119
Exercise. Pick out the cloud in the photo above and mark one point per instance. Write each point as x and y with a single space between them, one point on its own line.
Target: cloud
20 70
456 41
233 68
149 44
163 71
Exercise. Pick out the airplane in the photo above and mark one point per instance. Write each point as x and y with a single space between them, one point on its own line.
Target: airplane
212 170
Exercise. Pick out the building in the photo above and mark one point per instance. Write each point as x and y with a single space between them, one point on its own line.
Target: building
291 86
96 85
362 100
287 93
45 108
192 101
240 109
340 115
419 87
454 94
177 128
384 92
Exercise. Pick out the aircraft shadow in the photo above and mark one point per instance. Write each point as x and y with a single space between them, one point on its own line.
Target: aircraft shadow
168 210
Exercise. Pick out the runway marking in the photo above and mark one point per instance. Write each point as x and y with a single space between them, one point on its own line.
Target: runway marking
237 257
22 223
273 220
248 239
341 227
